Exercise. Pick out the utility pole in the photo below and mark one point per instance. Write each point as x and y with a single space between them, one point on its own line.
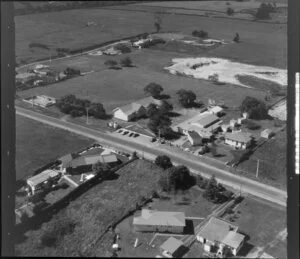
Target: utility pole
257 168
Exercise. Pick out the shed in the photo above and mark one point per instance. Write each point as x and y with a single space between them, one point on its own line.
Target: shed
216 110
267 133
172 247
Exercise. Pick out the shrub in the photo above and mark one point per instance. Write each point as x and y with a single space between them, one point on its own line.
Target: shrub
214 78
252 125
255 108
126 62
200 34
230 11
38 45
123 48
263 12
163 161
111 63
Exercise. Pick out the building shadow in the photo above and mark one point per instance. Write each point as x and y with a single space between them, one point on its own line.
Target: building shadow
189 227
246 248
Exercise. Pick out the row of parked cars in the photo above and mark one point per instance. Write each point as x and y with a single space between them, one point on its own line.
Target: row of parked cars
130 134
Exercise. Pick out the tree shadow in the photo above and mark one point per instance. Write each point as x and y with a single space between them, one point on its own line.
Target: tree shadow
246 248
115 68
173 114
163 97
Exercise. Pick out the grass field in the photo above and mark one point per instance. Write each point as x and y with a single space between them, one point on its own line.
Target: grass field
262 223
38 144
272 161
95 210
66 29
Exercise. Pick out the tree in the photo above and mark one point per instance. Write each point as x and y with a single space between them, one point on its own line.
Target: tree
71 71
230 11
126 62
153 89
255 108
152 110
211 189
157 22
200 34
180 176
97 110
160 122
111 63
165 107
163 161
236 38
186 97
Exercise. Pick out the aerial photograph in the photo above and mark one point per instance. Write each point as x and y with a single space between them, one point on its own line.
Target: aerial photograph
151 129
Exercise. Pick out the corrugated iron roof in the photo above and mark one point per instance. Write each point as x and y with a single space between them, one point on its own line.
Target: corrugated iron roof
171 245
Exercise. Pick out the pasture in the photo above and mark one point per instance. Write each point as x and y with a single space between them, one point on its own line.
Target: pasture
38 144
67 29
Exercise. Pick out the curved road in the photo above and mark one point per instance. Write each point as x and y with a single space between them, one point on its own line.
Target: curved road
237 182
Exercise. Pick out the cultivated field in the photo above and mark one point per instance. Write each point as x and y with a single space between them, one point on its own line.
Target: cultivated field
38 144
88 217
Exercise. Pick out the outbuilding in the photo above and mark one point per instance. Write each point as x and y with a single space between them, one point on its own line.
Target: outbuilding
267 133
172 248
194 138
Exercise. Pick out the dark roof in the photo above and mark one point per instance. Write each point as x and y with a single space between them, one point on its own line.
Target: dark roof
206 119
65 160
194 135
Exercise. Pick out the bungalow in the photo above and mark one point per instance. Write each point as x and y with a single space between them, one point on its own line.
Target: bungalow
84 164
267 133
159 221
238 139
218 234
172 248
194 138
37 181
135 110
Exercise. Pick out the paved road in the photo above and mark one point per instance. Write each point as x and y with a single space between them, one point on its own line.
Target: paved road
237 182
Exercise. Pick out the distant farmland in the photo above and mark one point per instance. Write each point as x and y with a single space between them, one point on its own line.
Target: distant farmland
38 144
67 29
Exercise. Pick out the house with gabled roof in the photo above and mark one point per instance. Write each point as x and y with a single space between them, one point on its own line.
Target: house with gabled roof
217 235
238 139
159 221
135 109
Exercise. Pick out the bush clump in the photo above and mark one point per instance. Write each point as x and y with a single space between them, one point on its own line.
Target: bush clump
229 11
200 34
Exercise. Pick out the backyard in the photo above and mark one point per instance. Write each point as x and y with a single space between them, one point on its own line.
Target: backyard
93 212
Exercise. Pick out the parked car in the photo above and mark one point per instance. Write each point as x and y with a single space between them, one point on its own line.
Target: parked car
136 135
126 132
153 139
120 131
131 134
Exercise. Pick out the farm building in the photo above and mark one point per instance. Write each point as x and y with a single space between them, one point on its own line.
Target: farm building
238 139
134 110
36 182
41 100
205 124
159 221
218 234
24 77
172 247
194 138
216 110
267 133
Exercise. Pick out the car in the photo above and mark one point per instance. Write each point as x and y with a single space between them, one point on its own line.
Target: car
131 134
120 131
136 135
126 132
153 139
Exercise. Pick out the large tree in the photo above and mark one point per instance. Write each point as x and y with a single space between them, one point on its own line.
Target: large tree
97 110
160 123
186 97
152 110
163 161
165 107
153 89
255 108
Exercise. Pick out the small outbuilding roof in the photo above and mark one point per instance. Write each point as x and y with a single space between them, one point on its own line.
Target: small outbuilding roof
216 109
172 245
206 120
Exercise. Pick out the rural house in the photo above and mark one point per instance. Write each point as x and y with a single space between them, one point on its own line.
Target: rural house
172 248
194 138
134 110
218 235
267 133
36 182
159 221
216 110
238 139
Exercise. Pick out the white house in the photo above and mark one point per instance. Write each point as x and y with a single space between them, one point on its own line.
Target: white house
218 234
216 110
238 139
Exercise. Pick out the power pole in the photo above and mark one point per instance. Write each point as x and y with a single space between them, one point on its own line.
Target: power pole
257 168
